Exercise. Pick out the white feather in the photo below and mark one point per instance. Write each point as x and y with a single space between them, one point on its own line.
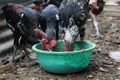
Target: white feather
68 36
57 17
71 34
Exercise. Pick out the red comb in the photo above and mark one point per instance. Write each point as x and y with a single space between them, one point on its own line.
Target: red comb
53 43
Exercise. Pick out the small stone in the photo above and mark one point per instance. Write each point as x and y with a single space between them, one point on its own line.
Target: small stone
106 58
90 76
117 41
95 51
21 70
108 39
99 49
96 41
107 62
108 43
110 66
4 74
22 65
103 70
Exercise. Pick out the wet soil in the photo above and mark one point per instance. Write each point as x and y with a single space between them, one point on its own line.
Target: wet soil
101 67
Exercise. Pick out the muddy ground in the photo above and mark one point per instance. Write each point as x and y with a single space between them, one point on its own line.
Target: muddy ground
101 67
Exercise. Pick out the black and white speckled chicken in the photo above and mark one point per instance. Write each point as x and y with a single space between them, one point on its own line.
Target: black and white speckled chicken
78 12
71 34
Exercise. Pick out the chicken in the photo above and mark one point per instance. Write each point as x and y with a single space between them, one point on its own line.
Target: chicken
24 23
70 35
23 28
78 12
49 19
96 8
50 15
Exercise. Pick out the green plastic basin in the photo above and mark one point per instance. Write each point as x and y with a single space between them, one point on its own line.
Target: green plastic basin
60 61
